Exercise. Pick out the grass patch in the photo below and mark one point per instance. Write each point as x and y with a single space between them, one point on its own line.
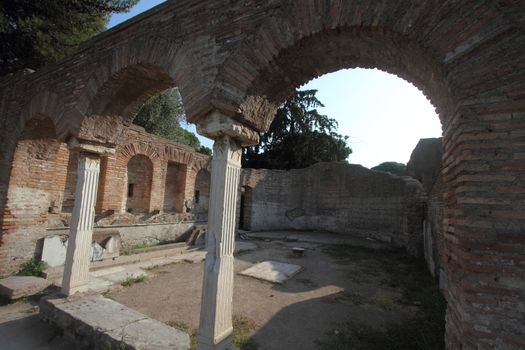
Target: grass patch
142 245
130 280
185 328
33 267
423 330
242 328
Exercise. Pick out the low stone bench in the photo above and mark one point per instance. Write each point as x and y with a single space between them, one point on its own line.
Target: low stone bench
100 323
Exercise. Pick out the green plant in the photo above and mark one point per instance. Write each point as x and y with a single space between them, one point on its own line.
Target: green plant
242 327
130 280
32 267
140 246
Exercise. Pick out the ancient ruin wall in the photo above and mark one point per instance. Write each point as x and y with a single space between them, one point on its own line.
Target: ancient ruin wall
44 175
337 197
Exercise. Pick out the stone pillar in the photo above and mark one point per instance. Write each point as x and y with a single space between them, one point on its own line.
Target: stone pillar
215 327
76 268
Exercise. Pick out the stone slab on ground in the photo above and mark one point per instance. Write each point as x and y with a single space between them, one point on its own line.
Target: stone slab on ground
272 271
15 287
102 323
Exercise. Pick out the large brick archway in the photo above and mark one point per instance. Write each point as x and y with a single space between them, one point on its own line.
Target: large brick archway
240 59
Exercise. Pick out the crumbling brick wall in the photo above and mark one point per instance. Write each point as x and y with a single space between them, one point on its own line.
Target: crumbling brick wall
43 181
337 197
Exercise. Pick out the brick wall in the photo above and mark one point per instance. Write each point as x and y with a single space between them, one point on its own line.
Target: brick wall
36 189
240 58
337 197
44 174
139 174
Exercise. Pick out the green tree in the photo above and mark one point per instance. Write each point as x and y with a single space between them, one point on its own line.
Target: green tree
35 33
163 115
391 167
298 137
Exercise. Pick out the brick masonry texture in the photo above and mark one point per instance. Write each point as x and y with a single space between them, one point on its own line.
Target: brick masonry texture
338 197
43 180
243 58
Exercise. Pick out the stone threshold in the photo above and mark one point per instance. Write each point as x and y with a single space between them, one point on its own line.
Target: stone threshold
95 322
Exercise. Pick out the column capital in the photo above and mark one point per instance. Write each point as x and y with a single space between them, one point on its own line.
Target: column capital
216 125
89 147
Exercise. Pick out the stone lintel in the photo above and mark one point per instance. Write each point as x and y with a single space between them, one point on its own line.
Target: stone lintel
216 125
89 147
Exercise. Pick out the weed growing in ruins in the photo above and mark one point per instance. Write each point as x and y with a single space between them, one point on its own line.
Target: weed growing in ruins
185 328
33 267
130 280
242 327
141 246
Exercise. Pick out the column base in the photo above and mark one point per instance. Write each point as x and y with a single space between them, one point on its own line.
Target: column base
78 289
224 344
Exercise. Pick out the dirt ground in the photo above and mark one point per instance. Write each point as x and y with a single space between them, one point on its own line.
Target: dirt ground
335 286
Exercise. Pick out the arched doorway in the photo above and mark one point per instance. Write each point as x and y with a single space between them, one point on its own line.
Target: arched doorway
138 185
201 195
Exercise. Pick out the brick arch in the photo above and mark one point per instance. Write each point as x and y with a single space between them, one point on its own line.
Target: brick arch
123 81
128 151
114 186
281 69
471 65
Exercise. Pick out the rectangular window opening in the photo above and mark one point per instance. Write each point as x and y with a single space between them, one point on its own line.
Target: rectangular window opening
130 190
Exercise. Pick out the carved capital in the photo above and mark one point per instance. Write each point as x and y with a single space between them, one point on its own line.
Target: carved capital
217 125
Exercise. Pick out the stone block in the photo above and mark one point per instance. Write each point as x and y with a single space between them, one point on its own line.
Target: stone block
272 271
102 323
54 251
15 287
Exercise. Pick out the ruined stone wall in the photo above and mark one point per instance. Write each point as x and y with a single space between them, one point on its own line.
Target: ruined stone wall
43 181
337 197
163 154
36 191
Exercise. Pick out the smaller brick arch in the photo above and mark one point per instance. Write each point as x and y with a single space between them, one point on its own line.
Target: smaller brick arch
130 150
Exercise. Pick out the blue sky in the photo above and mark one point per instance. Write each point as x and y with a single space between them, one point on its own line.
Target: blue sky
383 115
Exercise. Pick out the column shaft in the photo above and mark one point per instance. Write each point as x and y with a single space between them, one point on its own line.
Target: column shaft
217 293
76 269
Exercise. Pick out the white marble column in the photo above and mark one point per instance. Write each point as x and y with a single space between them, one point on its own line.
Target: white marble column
217 287
216 308
76 268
